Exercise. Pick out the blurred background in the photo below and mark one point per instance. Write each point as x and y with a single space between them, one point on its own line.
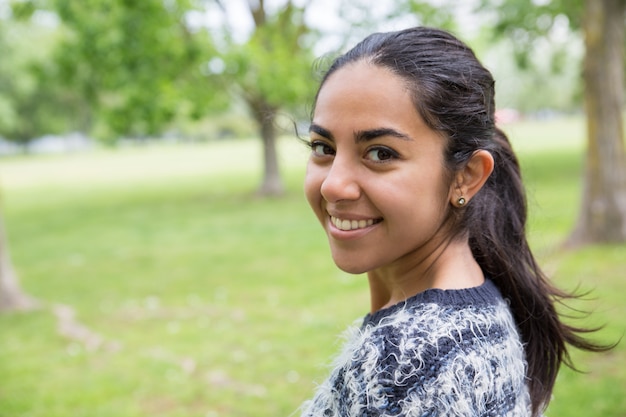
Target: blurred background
157 255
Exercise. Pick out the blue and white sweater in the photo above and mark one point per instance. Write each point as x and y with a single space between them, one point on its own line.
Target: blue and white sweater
439 353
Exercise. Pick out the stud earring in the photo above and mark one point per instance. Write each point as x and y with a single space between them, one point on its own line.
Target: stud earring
461 201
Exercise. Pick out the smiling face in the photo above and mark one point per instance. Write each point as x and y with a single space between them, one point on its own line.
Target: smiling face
376 177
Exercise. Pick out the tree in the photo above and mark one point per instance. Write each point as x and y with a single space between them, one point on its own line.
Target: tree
12 122
142 64
271 70
602 216
31 103
11 296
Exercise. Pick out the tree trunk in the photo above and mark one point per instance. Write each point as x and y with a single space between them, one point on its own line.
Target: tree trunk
11 296
603 214
265 115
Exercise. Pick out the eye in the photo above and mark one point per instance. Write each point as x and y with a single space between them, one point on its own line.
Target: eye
320 148
381 154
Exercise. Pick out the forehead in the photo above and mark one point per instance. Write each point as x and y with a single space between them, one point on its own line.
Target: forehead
364 82
362 95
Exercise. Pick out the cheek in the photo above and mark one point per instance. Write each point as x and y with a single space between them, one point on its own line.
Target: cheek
312 185
422 197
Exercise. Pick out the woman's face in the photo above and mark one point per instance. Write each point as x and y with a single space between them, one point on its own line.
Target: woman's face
375 178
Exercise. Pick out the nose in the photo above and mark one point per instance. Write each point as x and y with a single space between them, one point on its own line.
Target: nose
341 183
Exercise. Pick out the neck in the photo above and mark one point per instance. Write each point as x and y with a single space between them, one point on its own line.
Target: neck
449 266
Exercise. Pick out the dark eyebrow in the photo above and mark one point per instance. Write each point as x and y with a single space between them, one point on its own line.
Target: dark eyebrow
321 131
367 135
362 135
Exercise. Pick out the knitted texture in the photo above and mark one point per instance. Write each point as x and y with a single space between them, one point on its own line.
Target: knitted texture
440 353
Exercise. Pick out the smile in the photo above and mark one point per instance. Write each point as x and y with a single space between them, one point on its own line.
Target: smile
346 225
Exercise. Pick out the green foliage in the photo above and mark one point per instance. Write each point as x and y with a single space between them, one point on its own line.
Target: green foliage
525 22
269 71
530 89
535 18
23 10
362 17
429 14
137 63
142 65
31 102
211 302
273 67
543 40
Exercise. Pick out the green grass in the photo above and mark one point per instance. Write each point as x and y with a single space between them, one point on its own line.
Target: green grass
211 302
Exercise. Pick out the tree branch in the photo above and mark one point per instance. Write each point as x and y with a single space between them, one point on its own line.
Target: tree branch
258 12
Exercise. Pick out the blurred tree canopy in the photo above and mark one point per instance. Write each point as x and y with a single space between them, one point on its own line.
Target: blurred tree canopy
109 68
31 102
137 63
269 71
525 22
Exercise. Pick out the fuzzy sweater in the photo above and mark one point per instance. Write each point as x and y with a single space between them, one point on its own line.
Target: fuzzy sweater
439 353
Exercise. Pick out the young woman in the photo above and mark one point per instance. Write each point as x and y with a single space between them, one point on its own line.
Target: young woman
415 186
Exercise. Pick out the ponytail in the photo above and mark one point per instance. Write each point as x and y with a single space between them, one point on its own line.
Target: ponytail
496 220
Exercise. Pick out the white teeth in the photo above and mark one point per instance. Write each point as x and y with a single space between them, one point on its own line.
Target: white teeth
351 224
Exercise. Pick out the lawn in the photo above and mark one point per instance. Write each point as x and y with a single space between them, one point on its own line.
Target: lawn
168 289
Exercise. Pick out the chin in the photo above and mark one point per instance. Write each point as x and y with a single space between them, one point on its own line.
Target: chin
350 267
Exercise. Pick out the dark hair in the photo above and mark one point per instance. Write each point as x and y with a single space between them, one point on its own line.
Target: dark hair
454 94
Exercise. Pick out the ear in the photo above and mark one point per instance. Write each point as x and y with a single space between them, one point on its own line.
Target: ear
470 179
